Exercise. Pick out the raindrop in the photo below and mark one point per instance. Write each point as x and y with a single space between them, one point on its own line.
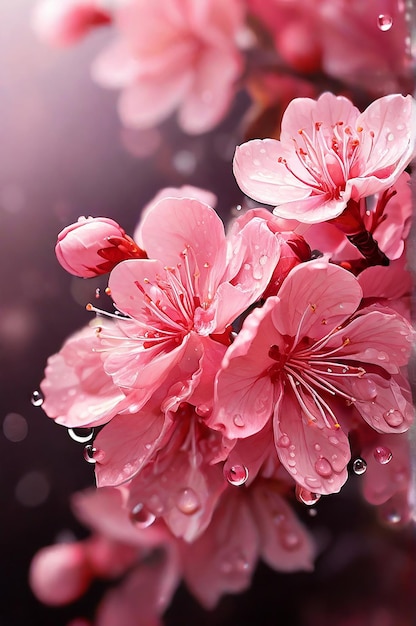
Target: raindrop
188 502
89 454
236 475
37 398
290 540
306 497
283 441
390 137
257 273
359 466
384 22
323 467
263 259
382 455
238 420
393 418
141 516
81 435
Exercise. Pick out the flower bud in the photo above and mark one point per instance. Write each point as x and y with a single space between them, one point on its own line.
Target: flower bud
93 246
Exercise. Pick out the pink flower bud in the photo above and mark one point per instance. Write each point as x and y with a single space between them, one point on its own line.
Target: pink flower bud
60 574
93 246
63 23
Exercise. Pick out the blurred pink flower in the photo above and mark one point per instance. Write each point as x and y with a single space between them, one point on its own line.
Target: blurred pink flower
312 358
93 246
328 154
63 22
174 55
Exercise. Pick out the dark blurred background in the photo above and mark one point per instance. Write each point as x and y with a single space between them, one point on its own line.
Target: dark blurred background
63 154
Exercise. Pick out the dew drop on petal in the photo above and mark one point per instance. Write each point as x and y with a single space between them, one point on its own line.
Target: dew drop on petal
238 420
393 417
382 455
89 454
384 22
37 398
323 467
236 475
188 502
306 497
283 441
141 516
263 259
81 435
290 540
359 466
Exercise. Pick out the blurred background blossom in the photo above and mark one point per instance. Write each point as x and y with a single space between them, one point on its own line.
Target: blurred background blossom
64 153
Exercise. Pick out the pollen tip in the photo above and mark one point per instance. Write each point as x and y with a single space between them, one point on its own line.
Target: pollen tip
89 307
108 291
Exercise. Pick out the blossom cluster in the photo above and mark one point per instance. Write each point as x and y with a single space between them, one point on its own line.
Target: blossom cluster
240 367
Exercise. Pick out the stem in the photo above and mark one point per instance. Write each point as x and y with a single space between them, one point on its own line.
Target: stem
368 247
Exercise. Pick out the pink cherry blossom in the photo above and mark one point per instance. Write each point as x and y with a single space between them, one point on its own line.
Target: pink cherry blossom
312 358
64 22
93 246
328 154
193 286
248 524
174 55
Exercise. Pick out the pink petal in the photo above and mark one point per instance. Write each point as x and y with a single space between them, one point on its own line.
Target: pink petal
382 481
285 543
149 101
223 559
315 298
314 455
175 224
144 595
251 453
129 443
212 90
116 67
78 392
104 510
260 175
390 282
245 392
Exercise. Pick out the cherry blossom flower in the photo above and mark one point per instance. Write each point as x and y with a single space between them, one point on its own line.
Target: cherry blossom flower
185 296
312 358
93 246
64 22
328 154
174 55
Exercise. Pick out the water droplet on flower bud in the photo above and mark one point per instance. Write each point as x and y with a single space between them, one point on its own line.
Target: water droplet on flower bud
141 516
359 466
383 455
306 497
236 475
89 454
188 502
323 467
81 435
384 22
238 420
37 398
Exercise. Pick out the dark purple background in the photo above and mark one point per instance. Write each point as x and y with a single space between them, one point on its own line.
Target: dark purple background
63 154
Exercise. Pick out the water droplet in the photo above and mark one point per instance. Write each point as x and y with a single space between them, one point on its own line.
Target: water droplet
290 540
313 512
141 516
393 417
257 273
306 497
238 420
81 435
384 22
323 467
359 466
390 137
37 398
263 259
89 454
188 502
234 562
283 441
382 455
236 475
